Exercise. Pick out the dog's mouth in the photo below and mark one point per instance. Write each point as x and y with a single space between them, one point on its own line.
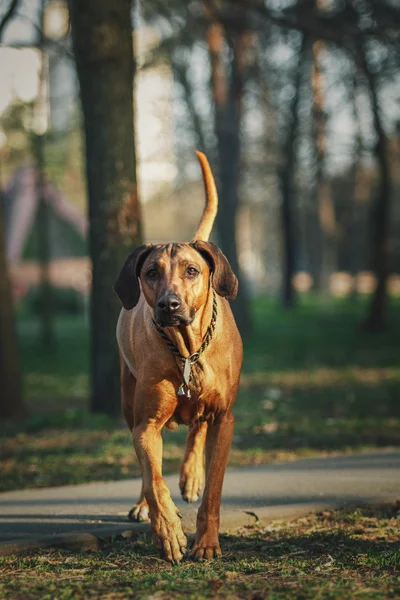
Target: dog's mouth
175 319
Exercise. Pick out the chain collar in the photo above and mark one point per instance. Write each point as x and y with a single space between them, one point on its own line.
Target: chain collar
192 358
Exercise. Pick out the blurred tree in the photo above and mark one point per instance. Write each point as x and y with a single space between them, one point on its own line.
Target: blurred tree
38 149
181 67
103 47
229 41
355 224
228 37
323 254
43 249
286 177
11 404
373 53
7 15
380 215
348 24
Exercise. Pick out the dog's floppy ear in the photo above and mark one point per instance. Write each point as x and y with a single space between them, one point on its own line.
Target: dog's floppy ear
127 285
224 280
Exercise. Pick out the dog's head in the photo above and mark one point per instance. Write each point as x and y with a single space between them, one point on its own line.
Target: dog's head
174 279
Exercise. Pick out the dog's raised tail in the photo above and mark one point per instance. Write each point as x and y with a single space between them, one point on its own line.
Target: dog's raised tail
211 207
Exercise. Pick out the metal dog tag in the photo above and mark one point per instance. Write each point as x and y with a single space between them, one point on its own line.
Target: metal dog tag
183 390
186 371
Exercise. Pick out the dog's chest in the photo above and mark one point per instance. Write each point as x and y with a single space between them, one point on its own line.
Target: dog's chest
186 411
191 410
204 402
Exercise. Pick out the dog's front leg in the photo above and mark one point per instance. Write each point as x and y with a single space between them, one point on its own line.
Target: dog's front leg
219 439
166 525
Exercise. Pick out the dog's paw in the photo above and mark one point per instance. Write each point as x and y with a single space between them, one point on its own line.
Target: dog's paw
191 479
200 552
206 545
168 536
139 512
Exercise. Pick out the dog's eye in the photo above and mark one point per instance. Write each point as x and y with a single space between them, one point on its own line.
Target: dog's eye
151 273
191 272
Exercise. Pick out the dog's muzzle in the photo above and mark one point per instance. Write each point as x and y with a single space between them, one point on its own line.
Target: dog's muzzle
170 312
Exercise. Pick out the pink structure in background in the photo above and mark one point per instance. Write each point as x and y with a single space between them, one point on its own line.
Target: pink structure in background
21 202
21 194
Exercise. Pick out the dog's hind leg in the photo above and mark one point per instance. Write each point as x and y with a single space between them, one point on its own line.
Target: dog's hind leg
192 469
140 510
128 386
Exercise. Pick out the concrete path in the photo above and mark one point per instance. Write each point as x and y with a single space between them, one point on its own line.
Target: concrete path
269 491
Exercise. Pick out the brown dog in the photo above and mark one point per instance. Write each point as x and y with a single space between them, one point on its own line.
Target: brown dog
175 301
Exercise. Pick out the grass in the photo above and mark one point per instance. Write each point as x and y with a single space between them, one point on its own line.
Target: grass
339 555
312 383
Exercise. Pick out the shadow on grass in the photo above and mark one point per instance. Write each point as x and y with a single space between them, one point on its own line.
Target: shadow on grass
344 550
333 555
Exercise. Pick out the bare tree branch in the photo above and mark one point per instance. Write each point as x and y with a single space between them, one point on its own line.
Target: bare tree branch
8 16
340 28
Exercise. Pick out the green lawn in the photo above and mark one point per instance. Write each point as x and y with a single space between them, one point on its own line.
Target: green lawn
312 383
340 555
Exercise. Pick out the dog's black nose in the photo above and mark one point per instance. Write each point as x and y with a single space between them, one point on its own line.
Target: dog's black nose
170 303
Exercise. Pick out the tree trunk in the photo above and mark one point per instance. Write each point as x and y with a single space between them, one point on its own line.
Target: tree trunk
46 304
356 212
227 88
324 238
286 174
375 319
8 15
103 46
181 70
11 404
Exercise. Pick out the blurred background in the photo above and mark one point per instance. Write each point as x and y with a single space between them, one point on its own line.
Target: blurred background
102 105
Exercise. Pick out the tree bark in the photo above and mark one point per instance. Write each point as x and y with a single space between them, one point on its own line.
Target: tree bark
43 223
181 70
46 305
8 16
286 174
11 404
227 81
103 46
356 211
323 250
375 319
